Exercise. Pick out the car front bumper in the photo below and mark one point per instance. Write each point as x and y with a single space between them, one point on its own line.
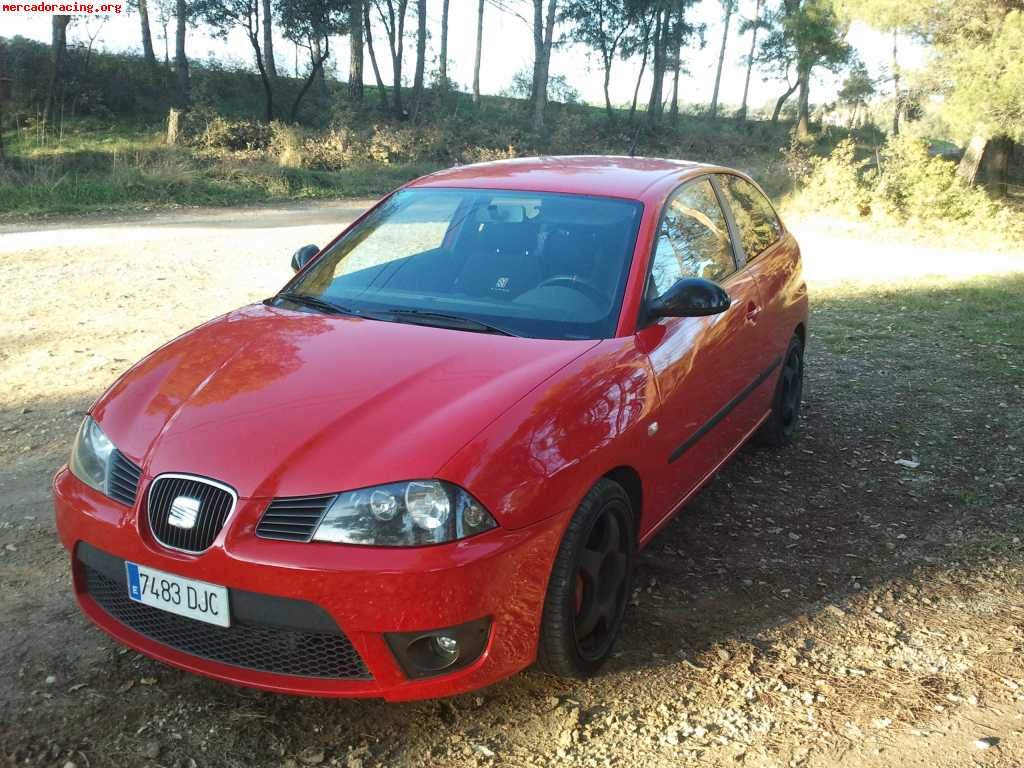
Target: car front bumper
497 578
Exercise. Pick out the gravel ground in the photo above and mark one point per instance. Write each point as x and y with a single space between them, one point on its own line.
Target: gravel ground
855 599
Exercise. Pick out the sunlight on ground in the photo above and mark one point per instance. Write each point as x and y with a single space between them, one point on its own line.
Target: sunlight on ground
830 257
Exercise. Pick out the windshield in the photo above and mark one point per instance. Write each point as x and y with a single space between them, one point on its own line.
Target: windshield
530 264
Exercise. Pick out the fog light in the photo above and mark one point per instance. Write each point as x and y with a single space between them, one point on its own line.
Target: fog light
446 645
439 651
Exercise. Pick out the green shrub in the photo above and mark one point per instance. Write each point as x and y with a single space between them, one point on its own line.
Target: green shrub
221 133
799 160
912 184
909 185
287 144
840 182
394 144
333 150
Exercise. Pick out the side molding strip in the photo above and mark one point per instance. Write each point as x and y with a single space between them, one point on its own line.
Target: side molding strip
725 410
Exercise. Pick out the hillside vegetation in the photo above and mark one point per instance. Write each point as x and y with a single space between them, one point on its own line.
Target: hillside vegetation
109 148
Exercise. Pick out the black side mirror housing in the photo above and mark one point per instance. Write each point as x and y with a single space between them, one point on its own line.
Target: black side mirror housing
302 256
690 297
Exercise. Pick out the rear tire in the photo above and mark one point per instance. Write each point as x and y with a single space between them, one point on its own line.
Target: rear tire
590 584
782 424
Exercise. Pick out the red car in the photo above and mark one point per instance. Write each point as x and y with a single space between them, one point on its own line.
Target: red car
431 459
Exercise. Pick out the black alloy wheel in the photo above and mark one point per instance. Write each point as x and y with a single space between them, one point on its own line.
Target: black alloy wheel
590 584
782 423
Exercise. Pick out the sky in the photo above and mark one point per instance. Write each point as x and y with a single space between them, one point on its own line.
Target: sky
508 49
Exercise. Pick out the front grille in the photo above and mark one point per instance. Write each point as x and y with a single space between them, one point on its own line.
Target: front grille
257 646
293 519
124 479
215 504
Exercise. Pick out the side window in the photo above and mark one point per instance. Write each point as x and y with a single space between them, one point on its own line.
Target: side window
693 239
755 218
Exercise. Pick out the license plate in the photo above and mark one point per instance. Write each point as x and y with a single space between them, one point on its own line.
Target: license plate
175 594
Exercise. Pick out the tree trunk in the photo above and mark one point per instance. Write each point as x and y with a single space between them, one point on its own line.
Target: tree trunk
147 37
443 65
167 44
355 60
421 52
658 81
607 94
173 126
58 47
897 98
268 93
674 109
320 54
782 100
268 40
970 163
543 32
677 39
742 114
997 165
803 120
988 160
397 38
721 59
394 26
317 68
479 50
180 60
643 66
373 58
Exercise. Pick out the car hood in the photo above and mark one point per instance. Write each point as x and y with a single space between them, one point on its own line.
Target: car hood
282 403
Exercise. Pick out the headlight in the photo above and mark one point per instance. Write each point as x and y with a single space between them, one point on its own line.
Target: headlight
90 455
404 515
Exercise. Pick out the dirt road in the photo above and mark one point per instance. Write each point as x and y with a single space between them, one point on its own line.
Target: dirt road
814 606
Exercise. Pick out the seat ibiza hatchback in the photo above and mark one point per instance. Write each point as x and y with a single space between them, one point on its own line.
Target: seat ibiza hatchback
431 459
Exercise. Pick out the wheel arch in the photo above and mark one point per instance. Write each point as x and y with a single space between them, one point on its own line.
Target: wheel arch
629 479
801 332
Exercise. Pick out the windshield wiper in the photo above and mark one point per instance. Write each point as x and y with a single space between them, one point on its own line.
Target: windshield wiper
442 320
317 303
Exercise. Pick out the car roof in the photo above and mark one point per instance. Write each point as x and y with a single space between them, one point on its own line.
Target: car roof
605 175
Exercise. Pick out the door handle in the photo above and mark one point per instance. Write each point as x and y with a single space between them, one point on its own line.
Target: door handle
752 312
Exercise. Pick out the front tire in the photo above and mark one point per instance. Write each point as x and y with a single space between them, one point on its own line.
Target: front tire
781 425
590 584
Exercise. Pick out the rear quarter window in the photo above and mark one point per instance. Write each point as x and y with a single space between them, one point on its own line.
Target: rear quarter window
758 224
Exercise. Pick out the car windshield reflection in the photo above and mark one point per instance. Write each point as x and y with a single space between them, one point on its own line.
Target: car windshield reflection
542 265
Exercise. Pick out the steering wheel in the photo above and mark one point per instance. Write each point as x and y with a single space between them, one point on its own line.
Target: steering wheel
588 289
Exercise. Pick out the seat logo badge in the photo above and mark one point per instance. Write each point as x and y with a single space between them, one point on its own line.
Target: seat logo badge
184 511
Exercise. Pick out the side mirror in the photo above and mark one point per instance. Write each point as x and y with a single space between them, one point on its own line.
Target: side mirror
302 256
690 297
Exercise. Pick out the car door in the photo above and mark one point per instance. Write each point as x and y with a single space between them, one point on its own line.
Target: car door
769 254
704 366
